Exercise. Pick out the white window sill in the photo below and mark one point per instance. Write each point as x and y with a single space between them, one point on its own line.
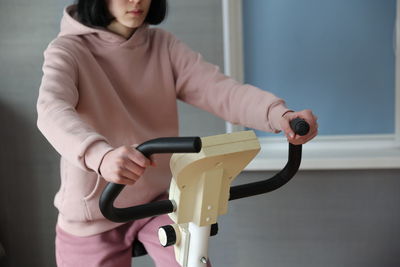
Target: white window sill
332 153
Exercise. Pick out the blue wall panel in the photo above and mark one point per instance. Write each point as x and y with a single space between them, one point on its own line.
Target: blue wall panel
333 56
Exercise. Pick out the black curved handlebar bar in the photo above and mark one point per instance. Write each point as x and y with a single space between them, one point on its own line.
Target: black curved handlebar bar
273 183
300 127
188 145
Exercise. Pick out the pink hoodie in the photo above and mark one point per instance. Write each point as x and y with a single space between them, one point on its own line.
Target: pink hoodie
100 91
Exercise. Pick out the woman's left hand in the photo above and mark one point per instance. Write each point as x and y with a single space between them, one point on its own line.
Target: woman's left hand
296 139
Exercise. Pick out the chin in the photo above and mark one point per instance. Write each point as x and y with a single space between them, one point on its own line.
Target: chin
133 25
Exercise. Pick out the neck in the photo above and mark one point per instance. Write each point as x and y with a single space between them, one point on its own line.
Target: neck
120 29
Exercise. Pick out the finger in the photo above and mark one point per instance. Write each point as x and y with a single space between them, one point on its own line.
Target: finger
137 157
120 180
313 131
126 174
153 161
299 140
126 181
133 167
289 133
308 137
146 161
310 118
306 114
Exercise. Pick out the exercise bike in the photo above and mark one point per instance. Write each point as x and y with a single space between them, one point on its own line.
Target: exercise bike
203 170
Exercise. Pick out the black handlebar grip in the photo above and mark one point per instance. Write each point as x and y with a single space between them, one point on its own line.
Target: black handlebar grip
170 145
300 126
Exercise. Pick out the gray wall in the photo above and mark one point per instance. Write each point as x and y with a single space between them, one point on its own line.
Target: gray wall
28 168
329 218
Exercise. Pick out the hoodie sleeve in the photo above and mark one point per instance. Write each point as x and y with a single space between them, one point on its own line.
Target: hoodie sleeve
58 120
201 84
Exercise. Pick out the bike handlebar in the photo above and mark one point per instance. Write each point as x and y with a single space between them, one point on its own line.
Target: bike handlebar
112 190
193 145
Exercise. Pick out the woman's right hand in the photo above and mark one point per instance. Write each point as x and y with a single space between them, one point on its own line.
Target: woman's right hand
124 165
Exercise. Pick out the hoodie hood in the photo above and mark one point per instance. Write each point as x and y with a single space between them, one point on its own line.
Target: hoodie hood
70 26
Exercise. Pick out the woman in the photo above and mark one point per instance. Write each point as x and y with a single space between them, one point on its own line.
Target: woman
110 82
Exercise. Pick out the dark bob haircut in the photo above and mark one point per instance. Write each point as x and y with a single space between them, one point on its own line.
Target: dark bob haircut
95 12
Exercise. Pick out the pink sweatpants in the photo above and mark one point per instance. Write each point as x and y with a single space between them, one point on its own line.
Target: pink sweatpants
113 248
